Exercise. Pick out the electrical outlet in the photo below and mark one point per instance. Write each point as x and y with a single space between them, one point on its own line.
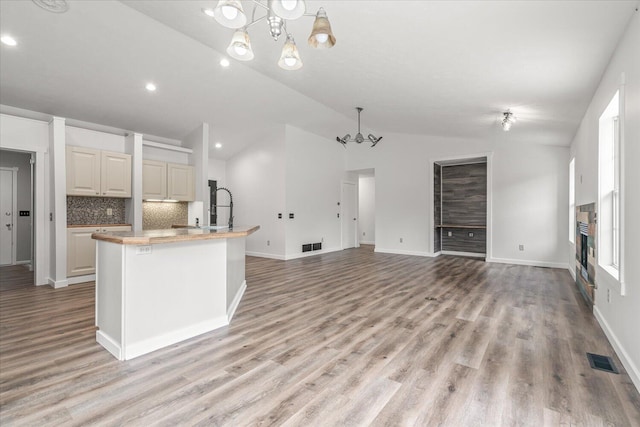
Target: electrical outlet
364 234
401 240
608 295
268 242
521 247
143 250
109 211
449 233
471 234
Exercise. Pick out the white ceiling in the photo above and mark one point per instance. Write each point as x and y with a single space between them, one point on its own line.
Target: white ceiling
419 67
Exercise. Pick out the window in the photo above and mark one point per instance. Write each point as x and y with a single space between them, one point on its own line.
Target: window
572 200
609 188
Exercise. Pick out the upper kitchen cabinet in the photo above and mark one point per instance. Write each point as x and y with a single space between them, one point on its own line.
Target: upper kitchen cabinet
98 173
180 183
171 181
154 180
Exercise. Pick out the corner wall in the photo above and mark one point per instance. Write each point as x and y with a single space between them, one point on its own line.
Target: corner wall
620 317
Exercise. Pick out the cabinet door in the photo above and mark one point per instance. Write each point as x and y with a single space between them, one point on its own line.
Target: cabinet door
81 251
154 180
115 175
181 185
83 171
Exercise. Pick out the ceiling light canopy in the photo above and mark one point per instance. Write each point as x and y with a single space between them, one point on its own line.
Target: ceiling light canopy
359 138
508 120
230 14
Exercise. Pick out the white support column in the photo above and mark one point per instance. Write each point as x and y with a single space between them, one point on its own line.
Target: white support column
58 205
134 147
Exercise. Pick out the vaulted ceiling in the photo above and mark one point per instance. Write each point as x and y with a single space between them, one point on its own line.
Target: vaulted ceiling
420 67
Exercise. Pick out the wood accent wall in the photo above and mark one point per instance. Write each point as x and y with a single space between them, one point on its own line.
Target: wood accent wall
464 202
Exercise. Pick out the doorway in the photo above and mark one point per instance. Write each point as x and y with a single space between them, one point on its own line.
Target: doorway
348 214
8 195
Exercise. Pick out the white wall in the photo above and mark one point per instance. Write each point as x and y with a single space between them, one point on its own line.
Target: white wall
256 177
93 139
315 170
367 209
528 185
17 133
620 317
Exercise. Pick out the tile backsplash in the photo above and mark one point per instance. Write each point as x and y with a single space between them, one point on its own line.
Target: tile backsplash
161 215
93 210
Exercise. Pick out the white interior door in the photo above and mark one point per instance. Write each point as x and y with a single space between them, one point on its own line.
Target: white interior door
349 220
7 206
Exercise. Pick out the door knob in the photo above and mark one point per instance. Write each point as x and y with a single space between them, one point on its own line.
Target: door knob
7 213
8 226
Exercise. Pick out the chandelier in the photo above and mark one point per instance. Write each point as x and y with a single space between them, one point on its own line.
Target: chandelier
230 14
508 120
359 138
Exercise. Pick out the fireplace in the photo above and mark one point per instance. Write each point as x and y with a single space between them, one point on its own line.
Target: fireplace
586 250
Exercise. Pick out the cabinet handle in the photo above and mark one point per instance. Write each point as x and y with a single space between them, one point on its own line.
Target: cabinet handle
97 192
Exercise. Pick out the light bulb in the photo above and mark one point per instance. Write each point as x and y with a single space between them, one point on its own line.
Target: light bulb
289 4
290 61
240 49
229 12
322 38
506 126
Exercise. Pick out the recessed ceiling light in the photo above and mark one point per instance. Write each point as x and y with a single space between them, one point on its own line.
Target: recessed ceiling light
150 87
218 145
8 40
224 62
208 12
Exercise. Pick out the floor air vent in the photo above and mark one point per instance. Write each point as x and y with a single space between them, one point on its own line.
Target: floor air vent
602 363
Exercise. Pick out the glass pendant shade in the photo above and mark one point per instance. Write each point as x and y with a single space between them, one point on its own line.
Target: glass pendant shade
288 9
229 13
321 35
290 58
240 46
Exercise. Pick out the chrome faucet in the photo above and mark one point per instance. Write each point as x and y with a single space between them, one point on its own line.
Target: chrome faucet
230 205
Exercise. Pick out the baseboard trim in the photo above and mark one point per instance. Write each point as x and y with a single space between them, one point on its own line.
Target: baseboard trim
363 242
467 254
23 262
56 284
265 255
532 263
632 369
81 279
160 341
403 252
312 253
236 301
572 271
109 344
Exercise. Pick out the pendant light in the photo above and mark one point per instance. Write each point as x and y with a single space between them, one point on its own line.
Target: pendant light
240 46
321 35
359 139
290 58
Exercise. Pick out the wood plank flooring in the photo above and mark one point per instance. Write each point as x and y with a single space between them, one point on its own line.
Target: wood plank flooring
353 338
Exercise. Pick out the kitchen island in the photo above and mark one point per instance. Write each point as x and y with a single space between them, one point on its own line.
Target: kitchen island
159 287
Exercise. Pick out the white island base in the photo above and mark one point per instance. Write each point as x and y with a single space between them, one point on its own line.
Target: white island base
152 296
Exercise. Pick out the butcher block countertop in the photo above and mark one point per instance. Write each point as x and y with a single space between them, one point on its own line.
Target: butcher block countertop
152 237
96 225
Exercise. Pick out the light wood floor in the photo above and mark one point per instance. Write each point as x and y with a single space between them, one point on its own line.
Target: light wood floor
345 339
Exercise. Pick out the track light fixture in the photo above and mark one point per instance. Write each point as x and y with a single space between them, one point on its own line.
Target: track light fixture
359 138
508 120
230 14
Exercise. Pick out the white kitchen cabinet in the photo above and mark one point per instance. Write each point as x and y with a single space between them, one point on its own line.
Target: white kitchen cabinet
171 181
81 248
83 171
154 180
180 183
97 173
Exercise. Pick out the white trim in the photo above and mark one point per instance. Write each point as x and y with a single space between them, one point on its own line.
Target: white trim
167 146
631 368
572 271
109 344
342 217
404 252
265 255
81 279
467 254
160 341
312 253
57 284
236 301
533 263
14 212
367 242
26 261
